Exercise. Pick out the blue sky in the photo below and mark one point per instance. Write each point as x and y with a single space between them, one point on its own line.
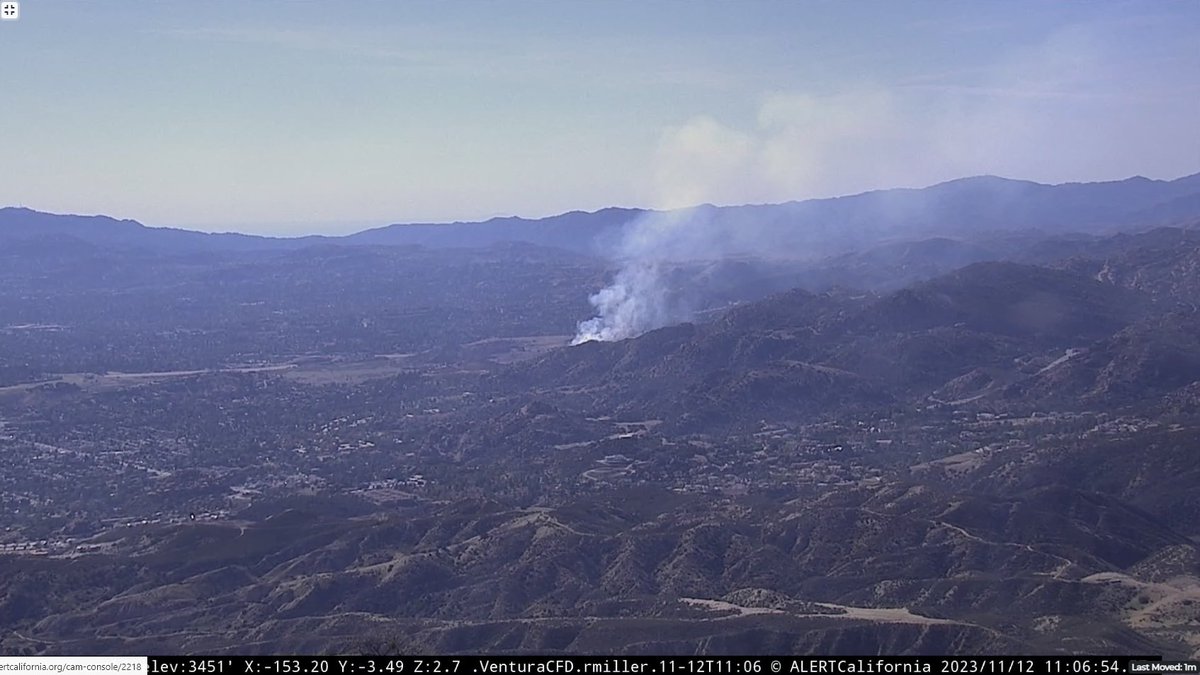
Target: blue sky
298 117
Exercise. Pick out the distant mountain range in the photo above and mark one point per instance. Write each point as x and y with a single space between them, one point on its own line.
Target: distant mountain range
805 228
967 423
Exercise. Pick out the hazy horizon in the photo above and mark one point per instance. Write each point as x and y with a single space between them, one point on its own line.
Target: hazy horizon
288 119
355 229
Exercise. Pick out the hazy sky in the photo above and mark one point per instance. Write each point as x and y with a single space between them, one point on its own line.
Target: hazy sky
296 117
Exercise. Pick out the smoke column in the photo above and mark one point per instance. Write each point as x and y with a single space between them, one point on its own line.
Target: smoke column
634 303
694 163
638 299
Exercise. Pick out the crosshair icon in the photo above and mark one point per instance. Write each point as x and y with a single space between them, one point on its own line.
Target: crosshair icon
10 11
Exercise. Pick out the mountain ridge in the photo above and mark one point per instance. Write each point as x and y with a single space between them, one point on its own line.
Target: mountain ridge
995 457
1007 203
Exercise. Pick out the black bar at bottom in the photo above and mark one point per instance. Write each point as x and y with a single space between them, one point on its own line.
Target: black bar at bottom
662 665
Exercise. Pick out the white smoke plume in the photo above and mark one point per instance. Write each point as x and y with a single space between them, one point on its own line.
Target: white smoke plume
635 302
692 163
638 299
705 161
1032 114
